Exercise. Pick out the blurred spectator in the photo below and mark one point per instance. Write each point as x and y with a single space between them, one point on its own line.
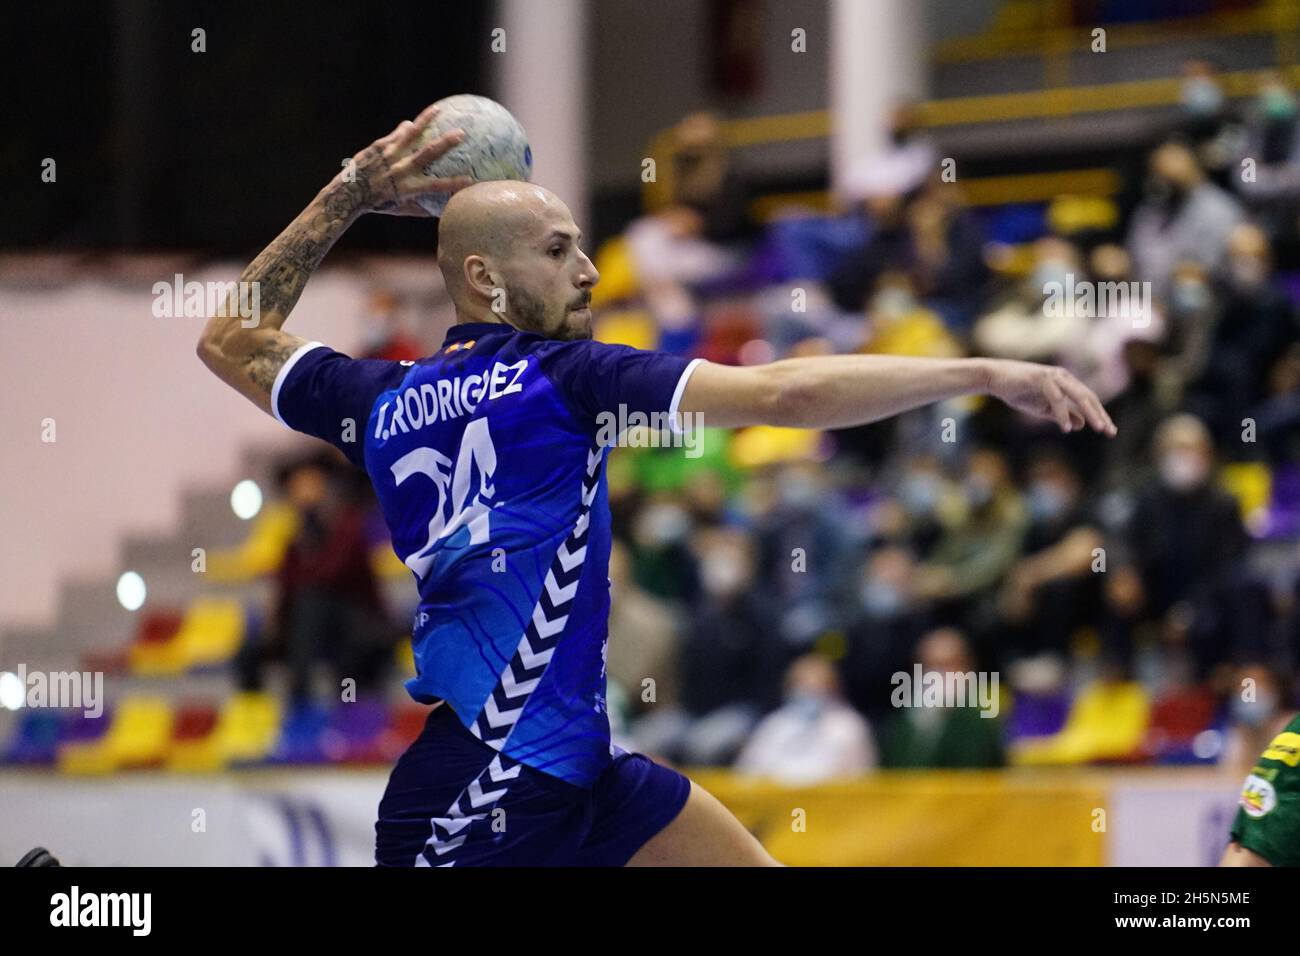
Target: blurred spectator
730 661
1137 412
884 626
1187 547
923 233
661 553
642 638
700 236
804 552
1053 590
1257 712
1271 150
328 605
1021 326
1204 115
814 735
707 182
942 737
1255 325
1183 216
973 555
898 324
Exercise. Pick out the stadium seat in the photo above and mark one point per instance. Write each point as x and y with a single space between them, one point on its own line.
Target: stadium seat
191 747
356 732
138 736
247 728
261 552
1176 720
210 635
1106 722
299 740
1037 715
1250 482
35 738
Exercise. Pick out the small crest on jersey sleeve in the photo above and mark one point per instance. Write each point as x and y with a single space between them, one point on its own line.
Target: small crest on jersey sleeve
1258 797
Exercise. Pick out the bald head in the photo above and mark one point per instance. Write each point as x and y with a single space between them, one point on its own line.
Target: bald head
508 251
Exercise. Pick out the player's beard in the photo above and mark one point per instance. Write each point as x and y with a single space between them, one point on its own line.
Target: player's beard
529 315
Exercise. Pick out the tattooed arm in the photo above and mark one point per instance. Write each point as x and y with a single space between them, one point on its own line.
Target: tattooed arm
248 351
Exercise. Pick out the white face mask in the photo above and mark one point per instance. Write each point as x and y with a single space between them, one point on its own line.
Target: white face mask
1183 470
722 574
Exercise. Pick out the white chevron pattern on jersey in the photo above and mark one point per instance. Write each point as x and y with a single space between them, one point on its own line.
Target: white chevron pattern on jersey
520 678
474 804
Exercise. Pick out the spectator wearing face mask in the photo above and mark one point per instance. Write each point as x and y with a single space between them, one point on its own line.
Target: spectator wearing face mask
1023 326
1255 325
814 735
899 324
1205 118
1271 147
1186 544
731 659
924 502
1053 590
806 553
884 626
972 556
1182 216
662 561
1257 713
1192 310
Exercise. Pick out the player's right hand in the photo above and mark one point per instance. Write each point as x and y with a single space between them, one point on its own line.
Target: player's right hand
388 175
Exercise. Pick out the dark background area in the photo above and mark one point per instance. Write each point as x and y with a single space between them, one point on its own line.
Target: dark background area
157 146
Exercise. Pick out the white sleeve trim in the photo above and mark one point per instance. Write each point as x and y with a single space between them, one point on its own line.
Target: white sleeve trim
284 373
677 396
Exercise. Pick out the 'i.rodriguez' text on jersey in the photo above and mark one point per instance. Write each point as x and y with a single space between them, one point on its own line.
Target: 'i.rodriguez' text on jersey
487 461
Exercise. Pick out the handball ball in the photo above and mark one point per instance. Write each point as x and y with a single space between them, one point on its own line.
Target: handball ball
495 145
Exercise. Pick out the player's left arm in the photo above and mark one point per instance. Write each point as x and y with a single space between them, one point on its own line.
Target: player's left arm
1238 855
387 176
841 391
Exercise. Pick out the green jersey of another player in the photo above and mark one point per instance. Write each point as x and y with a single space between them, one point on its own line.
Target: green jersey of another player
1267 829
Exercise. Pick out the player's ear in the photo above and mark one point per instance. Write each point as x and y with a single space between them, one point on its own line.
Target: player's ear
479 275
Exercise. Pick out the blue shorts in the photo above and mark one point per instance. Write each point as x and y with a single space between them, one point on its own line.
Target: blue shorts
453 800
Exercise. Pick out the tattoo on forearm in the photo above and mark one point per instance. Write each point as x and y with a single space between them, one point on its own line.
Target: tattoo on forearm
264 364
283 268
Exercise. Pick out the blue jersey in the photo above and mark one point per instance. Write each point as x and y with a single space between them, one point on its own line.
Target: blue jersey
488 463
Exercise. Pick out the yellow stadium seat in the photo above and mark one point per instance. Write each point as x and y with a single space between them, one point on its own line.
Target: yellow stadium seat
138 736
263 549
386 564
618 278
768 445
246 730
1251 483
628 327
210 634
1107 722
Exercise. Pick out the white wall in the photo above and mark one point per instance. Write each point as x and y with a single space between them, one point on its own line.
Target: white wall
137 418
